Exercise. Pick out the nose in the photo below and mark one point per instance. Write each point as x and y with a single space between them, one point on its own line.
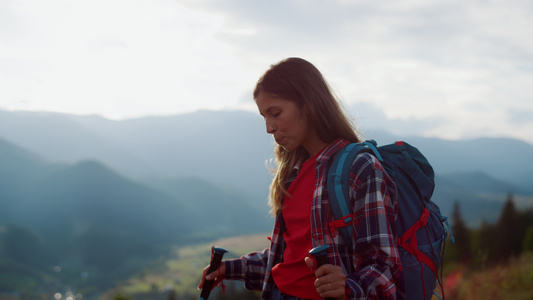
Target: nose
270 128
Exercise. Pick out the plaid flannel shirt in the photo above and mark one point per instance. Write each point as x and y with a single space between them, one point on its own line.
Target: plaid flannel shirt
372 263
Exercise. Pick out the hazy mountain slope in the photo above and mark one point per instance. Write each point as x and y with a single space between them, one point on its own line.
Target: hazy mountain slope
502 158
85 218
59 138
72 200
480 196
19 169
219 208
229 149
89 194
232 145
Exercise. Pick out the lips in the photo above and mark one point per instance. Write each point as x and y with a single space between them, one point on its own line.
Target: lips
279 140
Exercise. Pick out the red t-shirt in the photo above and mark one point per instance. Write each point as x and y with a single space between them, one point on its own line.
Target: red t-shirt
292 276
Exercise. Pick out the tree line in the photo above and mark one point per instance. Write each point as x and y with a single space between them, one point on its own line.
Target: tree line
491 243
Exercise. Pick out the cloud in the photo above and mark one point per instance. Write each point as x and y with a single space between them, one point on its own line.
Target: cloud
128 57
520 117
369 118
411 58
463 66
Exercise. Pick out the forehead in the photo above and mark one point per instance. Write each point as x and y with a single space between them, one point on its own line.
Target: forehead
266 102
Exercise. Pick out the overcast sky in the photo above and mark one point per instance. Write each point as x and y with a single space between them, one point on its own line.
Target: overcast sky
451 69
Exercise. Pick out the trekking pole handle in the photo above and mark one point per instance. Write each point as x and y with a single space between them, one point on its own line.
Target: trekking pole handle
320 255
216 259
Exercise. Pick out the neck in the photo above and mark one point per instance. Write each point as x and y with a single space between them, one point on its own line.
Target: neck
315 147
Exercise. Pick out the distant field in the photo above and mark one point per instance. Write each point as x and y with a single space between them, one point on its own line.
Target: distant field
244 244
183 269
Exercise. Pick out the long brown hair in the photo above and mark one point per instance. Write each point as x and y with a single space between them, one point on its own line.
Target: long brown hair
297 80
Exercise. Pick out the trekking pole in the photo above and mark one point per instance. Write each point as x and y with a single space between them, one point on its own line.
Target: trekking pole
319 253
216 258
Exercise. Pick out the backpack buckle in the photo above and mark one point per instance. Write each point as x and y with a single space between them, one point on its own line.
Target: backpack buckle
342 222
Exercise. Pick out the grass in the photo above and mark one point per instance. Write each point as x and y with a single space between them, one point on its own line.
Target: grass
513 280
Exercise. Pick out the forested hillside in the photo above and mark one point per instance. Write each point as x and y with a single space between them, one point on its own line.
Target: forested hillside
84 218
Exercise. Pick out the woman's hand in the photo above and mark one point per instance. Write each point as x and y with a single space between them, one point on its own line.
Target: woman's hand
217 275
330 280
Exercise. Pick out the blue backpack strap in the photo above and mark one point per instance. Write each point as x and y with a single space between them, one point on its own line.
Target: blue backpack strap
372 145
338 186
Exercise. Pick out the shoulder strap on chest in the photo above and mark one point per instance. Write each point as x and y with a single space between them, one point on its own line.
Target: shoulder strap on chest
338 185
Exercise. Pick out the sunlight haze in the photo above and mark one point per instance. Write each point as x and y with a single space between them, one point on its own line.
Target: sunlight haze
456 69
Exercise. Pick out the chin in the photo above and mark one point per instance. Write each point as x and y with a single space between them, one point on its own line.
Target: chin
288 148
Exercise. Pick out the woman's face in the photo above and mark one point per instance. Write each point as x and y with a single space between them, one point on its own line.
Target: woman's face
286 122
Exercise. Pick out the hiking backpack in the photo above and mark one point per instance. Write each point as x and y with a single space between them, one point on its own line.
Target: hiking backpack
420 227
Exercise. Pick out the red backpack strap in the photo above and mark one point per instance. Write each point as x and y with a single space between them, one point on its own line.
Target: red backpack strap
409 242
342 222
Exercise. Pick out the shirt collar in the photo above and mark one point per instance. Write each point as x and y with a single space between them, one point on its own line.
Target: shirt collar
326 154
331 149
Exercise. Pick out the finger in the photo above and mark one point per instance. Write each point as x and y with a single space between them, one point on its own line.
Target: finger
209 276
202 278
329 290
310 263
330 274
327 269
324 270
201 284
218 273
213 275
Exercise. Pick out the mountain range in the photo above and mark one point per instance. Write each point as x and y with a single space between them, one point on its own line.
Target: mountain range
86 218
187 161
96 196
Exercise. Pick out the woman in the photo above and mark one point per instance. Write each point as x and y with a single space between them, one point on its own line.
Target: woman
309 128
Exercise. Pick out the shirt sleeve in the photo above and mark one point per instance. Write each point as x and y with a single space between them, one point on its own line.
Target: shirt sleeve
249 268
376 259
